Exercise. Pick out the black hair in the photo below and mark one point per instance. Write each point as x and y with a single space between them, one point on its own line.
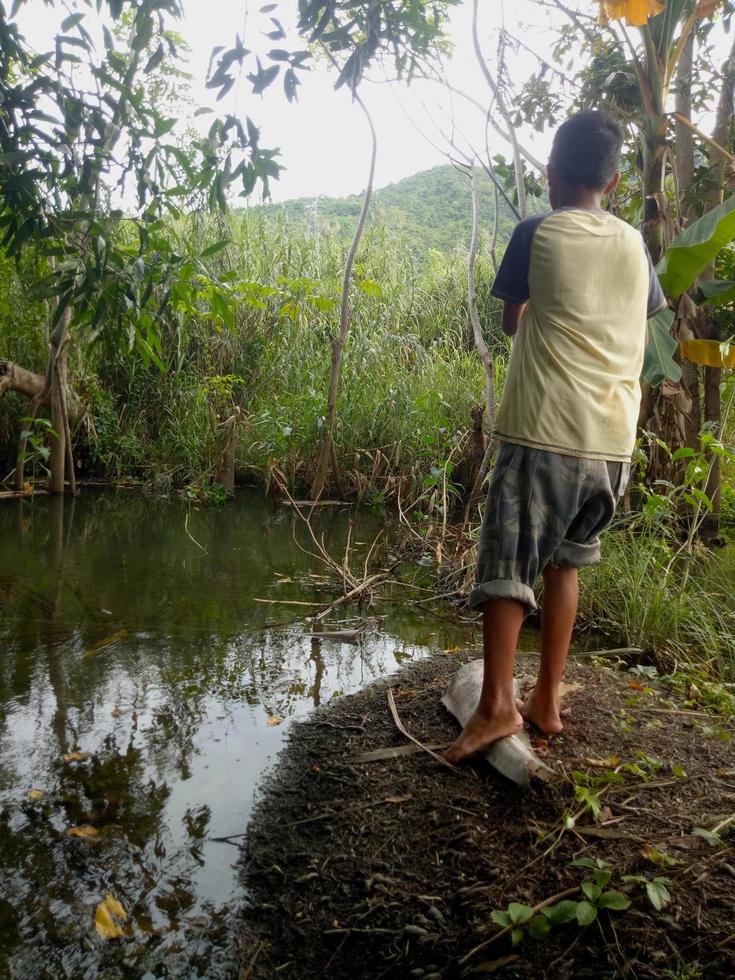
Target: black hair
586 149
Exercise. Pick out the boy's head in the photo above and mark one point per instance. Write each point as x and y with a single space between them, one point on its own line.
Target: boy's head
585 155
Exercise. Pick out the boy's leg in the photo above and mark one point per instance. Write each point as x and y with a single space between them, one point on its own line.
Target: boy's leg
561 594
496 715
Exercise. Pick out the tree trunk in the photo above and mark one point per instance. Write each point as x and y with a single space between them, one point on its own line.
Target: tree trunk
482 348
327 452
15 378
713 376
225 474
503 110
684 166
57 464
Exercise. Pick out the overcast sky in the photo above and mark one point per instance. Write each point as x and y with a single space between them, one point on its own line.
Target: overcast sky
323 137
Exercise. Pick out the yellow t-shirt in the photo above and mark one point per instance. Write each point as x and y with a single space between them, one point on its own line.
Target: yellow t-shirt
573 378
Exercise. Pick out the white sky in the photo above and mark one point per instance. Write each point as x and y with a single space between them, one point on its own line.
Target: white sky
323 138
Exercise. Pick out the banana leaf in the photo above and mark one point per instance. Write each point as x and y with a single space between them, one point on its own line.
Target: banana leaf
715 292
696 247
658 361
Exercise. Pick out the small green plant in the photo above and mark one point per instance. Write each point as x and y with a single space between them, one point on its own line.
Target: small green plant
656 888
37 432
537 922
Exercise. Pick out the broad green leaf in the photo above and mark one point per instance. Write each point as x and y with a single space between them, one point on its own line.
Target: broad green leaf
516 936
501 918
658 361
539 927
715 292
658 894
519 913
586 913
561 913
216 247
591 890
696 247
614 900
707 835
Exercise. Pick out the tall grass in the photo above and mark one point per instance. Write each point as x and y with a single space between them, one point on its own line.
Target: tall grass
409 378
643 595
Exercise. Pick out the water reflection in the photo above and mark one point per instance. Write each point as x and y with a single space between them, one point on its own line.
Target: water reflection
133 643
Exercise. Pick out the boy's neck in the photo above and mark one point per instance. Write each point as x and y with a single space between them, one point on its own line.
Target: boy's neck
583 198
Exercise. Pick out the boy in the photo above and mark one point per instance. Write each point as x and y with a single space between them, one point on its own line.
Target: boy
578 286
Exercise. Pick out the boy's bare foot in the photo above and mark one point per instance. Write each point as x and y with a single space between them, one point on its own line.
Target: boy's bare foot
481 730
543 712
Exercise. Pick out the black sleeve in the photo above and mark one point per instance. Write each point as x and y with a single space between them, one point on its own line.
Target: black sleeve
511 281
656 298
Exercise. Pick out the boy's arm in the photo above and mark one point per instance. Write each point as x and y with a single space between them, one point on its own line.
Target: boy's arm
656 298
512 314
511 280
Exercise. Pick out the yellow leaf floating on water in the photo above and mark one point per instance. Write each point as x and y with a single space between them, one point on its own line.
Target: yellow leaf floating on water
116 712
35 794
104 918
84 830
75 756
274 720
106 642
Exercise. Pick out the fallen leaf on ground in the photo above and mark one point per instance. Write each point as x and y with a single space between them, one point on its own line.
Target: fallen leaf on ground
274 720
108 911
75 756
565 689
84 830
608 763
401 798
655 856
452 650
35 794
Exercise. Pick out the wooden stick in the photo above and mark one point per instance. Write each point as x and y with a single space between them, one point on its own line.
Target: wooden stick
401 728
287 602
394 752
721 826
698 132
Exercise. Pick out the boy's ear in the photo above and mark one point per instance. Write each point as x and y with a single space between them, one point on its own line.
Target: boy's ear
612 184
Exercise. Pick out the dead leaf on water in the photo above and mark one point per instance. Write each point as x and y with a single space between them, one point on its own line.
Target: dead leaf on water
84 830
117 712
108 916
274 720
35 794
75 756
106 642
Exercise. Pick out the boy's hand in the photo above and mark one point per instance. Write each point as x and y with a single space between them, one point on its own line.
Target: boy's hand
512 314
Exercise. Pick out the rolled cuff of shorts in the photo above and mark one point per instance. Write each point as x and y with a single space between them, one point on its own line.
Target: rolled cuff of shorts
571 554
503 588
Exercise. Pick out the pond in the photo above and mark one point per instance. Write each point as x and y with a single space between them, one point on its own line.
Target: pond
145 688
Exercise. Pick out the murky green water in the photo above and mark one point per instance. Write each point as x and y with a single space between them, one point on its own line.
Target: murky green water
129 631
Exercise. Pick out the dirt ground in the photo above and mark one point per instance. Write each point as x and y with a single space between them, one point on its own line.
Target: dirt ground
393 868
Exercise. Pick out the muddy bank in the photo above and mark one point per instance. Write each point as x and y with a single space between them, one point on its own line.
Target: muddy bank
393 868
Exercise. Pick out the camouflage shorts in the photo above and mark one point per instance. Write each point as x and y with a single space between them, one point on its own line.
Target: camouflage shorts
542 508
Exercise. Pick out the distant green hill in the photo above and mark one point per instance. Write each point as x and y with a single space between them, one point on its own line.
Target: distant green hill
431 209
